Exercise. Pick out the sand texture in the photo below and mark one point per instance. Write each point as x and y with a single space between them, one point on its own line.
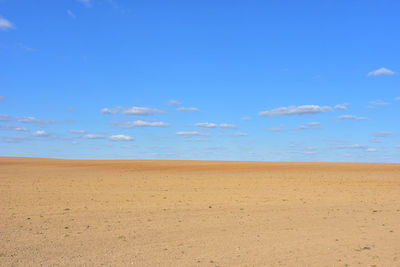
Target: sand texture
198 213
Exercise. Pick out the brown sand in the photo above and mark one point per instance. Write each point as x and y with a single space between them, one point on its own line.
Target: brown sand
189 213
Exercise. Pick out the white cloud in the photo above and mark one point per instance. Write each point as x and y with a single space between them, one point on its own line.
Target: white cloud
351 117
382 134
370 149
77 131
294 110
6 24
40 133
131 110
381 71
246 118
310 126
142 111
206 125
240 134
111 110
191 133
121 137
72 15
174 103
13 128
140 123
193 109
213 125
93 136
397 98
341 106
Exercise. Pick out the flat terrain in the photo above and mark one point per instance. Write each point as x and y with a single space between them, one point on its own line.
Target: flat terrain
198 213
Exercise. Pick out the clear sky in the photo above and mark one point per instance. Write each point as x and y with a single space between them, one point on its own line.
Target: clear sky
209 80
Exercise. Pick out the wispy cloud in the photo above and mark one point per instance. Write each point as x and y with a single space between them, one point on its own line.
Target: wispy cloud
310 152
15 139
77 131
295 110
310 126
116 6
163 154
358 147
5 117
13 128
375 140
121 137
174 103
26 48
35 120
351 117
132 110
72 109
277 129
227 126
382 134
294 144
397 98
217 147
140 123
381 71
6 24
246 118
377 103
355 146
238 134
1 97
86 3
191 133
193 109
71 14
92 136
341 106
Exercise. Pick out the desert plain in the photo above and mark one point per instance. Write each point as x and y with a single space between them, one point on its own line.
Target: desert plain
198 213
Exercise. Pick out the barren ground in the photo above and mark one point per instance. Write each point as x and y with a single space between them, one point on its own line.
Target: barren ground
198 213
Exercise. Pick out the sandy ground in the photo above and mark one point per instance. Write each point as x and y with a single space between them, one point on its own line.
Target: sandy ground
197 213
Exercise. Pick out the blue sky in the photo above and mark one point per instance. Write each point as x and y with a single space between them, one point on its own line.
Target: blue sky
209 80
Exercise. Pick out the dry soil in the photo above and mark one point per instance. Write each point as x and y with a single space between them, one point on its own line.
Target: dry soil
198 213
